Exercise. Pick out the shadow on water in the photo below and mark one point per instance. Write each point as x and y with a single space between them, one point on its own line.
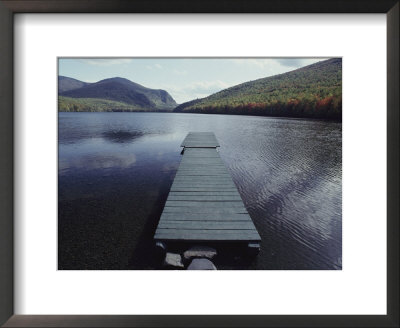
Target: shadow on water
121 136
145 256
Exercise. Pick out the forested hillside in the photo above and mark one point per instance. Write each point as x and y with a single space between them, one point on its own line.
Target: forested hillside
313 91
66 104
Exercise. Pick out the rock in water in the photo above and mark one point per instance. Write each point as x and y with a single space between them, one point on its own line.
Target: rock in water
201 264
199 252
173 261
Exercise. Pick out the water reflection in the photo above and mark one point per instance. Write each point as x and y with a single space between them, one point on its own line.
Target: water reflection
115 171
96 161
121 136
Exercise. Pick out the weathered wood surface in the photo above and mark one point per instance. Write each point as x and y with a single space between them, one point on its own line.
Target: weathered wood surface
200 140
204 203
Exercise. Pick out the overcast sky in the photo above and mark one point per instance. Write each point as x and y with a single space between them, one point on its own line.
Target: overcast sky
185 79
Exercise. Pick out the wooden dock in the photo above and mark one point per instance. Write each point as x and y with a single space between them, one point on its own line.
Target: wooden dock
204 204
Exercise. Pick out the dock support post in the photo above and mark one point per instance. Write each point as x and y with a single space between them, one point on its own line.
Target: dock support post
161 248
253 248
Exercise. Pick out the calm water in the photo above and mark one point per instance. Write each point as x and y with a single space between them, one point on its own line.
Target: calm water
115 171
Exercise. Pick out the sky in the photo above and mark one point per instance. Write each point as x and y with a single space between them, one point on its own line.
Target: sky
184 78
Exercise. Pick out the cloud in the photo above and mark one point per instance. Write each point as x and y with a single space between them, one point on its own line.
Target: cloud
297 62
203 87
154 66
206 86
195 90
105 61
90 80
274 63
261 63
178 72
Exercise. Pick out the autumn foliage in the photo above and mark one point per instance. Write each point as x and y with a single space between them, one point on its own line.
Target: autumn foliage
314 91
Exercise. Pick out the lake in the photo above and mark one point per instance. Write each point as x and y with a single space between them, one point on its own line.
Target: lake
115 171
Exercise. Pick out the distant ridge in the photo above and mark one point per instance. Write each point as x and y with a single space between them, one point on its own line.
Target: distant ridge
313 91
111 94
67 84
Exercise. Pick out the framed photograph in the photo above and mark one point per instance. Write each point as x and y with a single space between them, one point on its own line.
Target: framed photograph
199 164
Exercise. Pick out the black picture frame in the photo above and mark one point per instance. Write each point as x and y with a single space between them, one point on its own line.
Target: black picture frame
10 7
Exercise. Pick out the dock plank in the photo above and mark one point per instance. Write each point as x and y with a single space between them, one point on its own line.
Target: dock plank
203 217
205 193
213 235
217 204
199 210
202 189
201 140
214 225
204 198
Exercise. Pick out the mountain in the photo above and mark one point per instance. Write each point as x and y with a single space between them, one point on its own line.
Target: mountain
313 91
112 94
67 83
